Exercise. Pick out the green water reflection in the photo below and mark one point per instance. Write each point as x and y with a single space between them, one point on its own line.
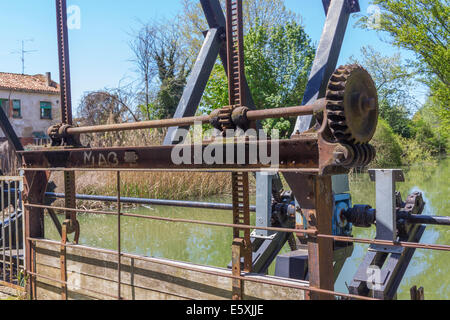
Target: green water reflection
208 245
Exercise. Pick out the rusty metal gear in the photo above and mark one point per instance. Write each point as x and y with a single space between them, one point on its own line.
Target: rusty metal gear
225 118
360 155
352 105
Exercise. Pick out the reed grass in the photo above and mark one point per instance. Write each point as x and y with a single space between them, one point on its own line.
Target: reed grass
154 185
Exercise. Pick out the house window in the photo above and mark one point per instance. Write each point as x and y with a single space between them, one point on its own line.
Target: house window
46 110
17 113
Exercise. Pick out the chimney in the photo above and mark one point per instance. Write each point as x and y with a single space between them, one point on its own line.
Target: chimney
48 78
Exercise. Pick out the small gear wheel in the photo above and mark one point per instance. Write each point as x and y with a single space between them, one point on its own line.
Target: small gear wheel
225 118
352 105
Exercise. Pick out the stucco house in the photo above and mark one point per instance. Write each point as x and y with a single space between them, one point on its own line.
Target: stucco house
32 103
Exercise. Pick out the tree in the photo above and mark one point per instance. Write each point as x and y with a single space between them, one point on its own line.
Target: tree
142 47
266 12
160 59
394 81
108 106
278 60
421 26
173 70
426 129
105 106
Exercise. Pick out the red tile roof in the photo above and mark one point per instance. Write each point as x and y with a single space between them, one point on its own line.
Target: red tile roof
27 83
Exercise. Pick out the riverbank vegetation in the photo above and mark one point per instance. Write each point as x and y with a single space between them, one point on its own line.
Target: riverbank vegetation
152 185
413 128
420 27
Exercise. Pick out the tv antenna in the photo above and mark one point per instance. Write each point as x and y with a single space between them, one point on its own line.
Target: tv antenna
23 52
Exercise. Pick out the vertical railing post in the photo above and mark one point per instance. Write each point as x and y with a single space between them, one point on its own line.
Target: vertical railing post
236 254
119 247
63 260
35 184
16 224
11 272
3 230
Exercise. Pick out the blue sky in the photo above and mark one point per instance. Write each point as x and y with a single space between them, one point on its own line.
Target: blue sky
99 50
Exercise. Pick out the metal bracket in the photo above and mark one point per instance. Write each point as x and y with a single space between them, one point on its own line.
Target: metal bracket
264 203
386 207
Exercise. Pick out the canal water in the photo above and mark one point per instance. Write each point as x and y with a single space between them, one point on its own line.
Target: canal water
207 245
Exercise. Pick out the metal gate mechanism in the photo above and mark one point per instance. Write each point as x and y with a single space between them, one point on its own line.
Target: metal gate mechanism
335 125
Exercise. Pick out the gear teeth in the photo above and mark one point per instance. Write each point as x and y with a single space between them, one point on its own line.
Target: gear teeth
336 114
339 125
335 95
370 153
343 136
336 86
225 118
335 105
364 154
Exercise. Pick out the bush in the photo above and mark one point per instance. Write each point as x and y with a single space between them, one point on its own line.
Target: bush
413 152
387 144
426 136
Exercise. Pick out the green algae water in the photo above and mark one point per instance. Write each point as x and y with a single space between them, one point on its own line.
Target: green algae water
208 245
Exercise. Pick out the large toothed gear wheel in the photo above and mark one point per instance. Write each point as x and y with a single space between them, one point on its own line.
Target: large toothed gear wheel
352 105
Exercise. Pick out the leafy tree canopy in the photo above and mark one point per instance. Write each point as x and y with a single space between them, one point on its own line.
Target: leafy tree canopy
394 80
256 12
278 60
421 26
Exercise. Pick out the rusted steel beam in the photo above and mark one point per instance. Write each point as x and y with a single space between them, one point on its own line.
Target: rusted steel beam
66 105
307 154
35 185
64 65
320 250
293 154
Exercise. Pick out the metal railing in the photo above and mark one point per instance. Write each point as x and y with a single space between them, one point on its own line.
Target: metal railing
12 255
119 214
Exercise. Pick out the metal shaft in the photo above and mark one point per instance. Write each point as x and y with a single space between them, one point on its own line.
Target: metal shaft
155 202
152 124
414 219
252 115
286 112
